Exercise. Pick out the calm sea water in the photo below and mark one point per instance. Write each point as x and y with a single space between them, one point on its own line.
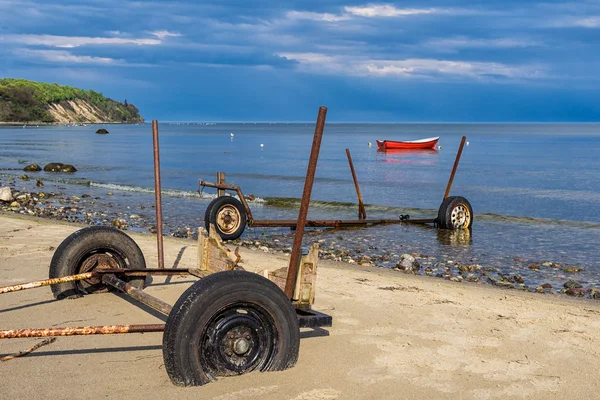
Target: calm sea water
534 188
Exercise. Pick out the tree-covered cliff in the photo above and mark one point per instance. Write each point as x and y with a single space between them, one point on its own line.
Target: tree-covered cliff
28 101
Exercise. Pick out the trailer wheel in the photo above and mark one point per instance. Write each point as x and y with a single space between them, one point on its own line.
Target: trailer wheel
89 248
228 216
455 213
229 323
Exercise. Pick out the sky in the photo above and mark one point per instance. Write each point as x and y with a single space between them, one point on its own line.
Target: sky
275 60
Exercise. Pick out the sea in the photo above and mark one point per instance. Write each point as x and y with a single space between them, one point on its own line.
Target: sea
534 188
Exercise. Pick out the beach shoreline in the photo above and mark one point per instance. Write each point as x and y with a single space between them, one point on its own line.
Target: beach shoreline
394 335
101 207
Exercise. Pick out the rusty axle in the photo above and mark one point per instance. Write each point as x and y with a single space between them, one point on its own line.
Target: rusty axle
138 294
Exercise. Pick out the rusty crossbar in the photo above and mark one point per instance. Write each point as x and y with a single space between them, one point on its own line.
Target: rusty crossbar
81 330
46 282
335 223
108 279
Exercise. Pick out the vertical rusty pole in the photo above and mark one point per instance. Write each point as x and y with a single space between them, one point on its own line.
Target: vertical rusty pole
157 194
460 149
362 214
220 181
290 282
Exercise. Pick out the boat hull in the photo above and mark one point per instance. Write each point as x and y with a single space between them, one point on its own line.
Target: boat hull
425 144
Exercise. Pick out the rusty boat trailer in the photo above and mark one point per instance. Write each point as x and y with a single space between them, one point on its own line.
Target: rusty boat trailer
229 322
450 210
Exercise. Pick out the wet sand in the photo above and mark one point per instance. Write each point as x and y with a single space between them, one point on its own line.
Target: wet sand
394 335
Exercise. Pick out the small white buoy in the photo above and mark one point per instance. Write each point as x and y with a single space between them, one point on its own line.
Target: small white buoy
231 134
467 143
439 147
370 144
262 145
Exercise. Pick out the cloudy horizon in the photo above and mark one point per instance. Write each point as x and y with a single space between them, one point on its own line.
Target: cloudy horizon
278 61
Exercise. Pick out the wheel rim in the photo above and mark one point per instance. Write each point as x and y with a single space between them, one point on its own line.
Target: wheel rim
97 260
228 219
460 217
238 339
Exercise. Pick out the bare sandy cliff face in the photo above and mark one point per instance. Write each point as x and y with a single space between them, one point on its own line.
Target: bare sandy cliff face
76 110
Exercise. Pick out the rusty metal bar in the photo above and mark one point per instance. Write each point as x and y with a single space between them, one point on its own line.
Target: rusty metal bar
335 223
138 294
157 194
460 149
290 282
362 214
221 181
226 186
82 330
142 272
46 282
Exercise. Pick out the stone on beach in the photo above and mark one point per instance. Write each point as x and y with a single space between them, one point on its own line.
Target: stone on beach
6 194
408 264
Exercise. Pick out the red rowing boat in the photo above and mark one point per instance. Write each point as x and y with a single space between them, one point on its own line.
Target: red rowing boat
428 143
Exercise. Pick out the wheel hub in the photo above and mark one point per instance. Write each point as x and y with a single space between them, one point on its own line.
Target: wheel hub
236 343
97 261
460 216
228 219
241 346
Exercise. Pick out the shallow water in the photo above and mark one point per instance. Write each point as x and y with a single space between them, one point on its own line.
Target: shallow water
533 187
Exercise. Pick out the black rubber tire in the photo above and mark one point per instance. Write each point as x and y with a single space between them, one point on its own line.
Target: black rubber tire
227 205
207 214
69 259
455 212
223 307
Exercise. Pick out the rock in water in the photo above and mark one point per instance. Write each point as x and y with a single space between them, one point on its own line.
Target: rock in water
53 167
570 284
101 131
59 167
32 168
6 194
68 168
408 264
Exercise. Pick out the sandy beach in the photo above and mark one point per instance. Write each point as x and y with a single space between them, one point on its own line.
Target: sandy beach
393 336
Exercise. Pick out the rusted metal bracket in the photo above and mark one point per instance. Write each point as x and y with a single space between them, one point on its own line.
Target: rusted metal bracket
304 291
212 255
222 186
